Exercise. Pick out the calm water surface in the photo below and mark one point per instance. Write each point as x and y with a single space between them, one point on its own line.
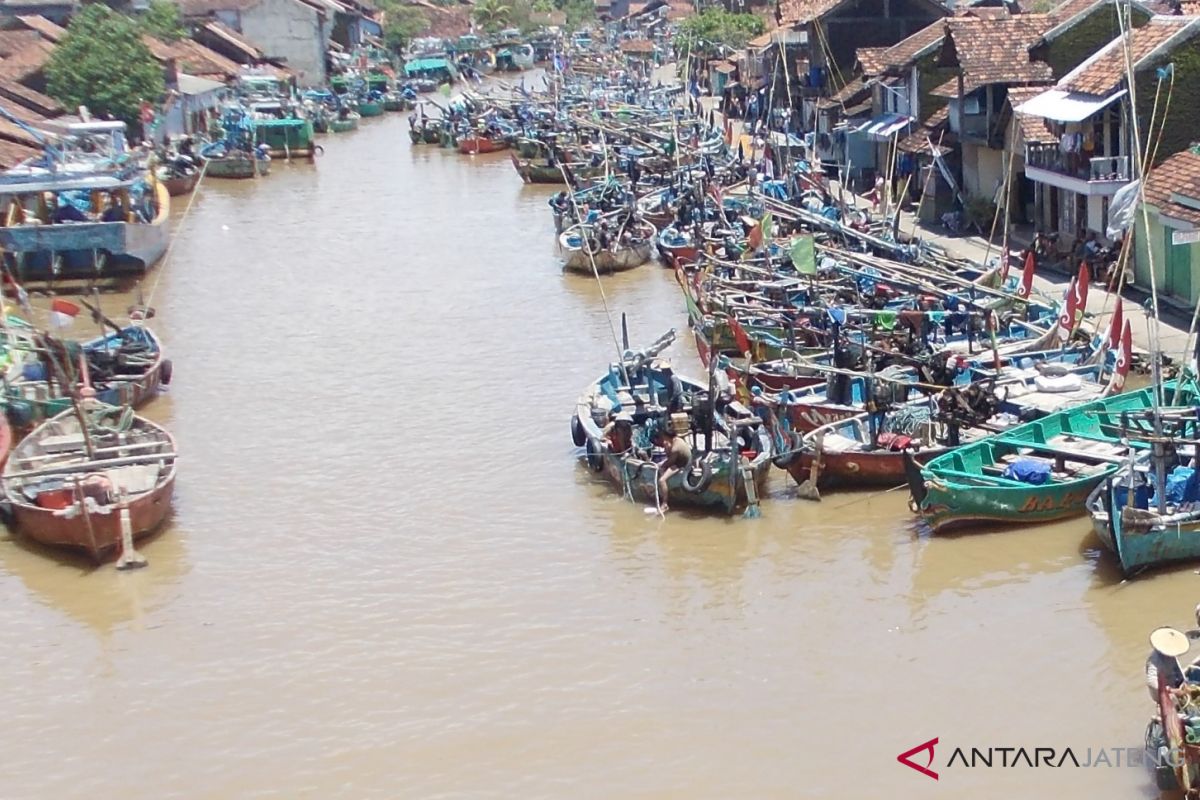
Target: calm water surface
387 577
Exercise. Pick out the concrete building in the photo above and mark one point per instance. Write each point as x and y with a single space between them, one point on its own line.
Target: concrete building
294 33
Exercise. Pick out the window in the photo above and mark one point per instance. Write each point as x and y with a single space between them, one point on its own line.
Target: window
971 105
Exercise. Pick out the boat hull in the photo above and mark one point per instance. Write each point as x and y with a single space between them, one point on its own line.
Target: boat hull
102 537
238 167
855 469
178 187
947 508
608 261
87 249
474 145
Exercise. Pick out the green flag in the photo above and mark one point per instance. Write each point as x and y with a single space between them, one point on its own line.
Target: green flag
803 256
768 223
444 89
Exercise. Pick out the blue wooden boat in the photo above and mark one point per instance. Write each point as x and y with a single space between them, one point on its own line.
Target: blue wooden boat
86 209
1147 513
731 447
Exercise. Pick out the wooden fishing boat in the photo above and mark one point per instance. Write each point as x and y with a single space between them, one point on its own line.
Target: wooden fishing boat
1142 528
1037 472
475 143
538 171
79 484
126 367
181 185
677 247
731 448
88 209
238 165
631 247
286 138
370 108
341 124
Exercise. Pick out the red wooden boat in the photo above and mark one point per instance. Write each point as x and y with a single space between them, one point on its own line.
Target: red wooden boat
843 455
473 144
88 486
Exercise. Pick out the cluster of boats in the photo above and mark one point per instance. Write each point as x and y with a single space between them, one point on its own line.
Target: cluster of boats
81 469
833 349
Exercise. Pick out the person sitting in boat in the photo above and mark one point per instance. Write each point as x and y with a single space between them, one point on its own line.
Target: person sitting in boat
115 211
603 239
679 456
673 386
1162 665
619 432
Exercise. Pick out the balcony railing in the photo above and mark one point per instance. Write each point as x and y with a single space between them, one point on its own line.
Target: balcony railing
1077 165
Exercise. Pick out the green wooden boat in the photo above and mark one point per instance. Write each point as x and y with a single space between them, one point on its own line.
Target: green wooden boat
370 108
286 138
343 124
978 484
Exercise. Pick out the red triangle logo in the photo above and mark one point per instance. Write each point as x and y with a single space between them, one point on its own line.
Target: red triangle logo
904 757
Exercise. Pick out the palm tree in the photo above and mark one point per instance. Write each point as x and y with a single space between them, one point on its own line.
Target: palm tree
492 14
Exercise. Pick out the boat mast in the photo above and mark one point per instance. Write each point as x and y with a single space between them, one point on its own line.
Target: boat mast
1125 22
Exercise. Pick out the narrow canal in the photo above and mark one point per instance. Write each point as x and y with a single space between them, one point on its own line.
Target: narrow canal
387 577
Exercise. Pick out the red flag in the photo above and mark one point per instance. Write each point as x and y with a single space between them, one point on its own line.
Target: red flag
739 335
1068 312
1027 276
1114 325
1124 359
63 312
1080 298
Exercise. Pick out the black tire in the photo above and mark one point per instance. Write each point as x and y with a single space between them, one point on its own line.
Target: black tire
577 434
594 459
785 460
165 372
697 485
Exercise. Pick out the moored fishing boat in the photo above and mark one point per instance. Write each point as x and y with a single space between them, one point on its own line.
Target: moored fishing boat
181 185
1148 512
607 248
476 143
88 208
1036 472
237 165
90 477
641 397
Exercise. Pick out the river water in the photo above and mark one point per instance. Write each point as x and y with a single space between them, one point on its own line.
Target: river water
388 577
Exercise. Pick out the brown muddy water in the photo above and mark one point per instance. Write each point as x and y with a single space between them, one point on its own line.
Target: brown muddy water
387 576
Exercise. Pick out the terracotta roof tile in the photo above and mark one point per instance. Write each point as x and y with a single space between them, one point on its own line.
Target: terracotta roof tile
196 59
1104 72
919 44
643 46
871 59
997 50
25 97
43 26
1179 174
27 61
12 154
1032 129
234 40
13 41
793 12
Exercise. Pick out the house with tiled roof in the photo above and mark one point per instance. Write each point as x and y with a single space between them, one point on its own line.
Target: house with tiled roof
823 37
1169 233
944 91
293 33
1093 151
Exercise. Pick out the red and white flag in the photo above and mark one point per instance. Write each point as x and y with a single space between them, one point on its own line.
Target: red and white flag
1115 324
1026 287
62 312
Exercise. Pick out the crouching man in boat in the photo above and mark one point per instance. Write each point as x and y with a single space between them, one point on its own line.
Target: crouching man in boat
1166 645
679 455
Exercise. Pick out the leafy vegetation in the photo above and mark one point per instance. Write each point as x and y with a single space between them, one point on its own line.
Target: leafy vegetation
492 15
162 21
716 28
404 23
579 12
103 63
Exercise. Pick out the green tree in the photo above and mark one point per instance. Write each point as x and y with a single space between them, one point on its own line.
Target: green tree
579 12
714 28
162 21
403 24
492 15
103 63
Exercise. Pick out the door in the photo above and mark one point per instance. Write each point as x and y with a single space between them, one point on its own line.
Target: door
1178 269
